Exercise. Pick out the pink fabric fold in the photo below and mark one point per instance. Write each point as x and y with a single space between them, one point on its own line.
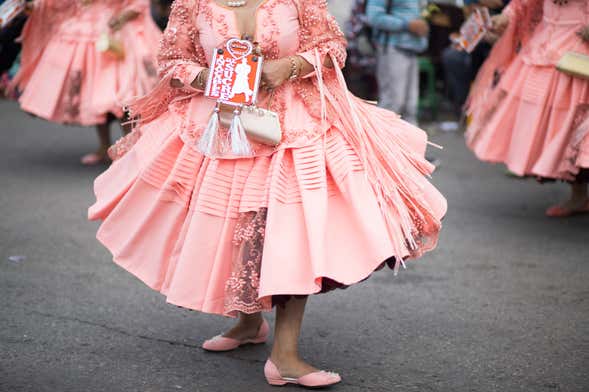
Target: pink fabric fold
63 78
345 173
523 110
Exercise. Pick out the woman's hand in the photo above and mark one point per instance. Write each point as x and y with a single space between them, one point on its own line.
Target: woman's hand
117 22
418 27
500 23
29 7
584 33
276 72
491 38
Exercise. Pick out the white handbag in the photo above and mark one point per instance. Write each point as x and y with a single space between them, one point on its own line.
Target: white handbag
261 125
574 64
106 43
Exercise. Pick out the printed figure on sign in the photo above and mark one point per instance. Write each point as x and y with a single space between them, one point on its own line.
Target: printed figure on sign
235 74
473 30
242 81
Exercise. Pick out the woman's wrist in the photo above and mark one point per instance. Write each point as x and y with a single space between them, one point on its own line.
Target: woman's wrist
200 82
584 33
117 22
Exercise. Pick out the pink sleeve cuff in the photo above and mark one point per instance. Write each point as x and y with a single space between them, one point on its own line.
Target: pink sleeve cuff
309 56
186 74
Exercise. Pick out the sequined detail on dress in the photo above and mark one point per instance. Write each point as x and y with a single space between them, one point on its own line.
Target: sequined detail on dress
320 30
569 167
124 145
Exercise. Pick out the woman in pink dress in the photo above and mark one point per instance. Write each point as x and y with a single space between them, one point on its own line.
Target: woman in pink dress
66 77
525 112
343 194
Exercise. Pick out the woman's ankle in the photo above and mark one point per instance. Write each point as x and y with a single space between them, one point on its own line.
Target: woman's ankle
252 320
247 326
279 355
290 364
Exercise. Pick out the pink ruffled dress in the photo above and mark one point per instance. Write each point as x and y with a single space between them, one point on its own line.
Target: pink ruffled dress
65 79
525 112
345 191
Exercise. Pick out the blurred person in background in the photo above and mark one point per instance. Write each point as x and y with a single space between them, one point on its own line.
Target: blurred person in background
524 112
340 9
160 9
64 78
461 67
400 34
9 51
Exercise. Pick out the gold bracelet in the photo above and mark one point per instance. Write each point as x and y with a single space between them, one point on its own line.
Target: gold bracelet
295 69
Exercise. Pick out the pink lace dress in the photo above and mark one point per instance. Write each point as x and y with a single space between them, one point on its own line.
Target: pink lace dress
345 191
63 78
525 112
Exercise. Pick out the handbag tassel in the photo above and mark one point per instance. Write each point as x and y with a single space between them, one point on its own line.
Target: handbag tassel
209 139
240 145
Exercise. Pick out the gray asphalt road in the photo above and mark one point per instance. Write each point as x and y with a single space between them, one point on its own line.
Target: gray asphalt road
500 306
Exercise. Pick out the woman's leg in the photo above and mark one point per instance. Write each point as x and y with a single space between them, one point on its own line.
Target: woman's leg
247 327
103 133
285 353
577 203
579 195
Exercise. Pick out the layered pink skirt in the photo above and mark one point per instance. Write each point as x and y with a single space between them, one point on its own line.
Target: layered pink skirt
227 235
73 83
535 126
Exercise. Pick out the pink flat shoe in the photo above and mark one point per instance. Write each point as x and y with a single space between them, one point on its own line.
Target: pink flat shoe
94 158
222 343
562 212
318 379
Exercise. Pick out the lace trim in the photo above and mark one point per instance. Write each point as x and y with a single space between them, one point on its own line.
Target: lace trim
73 100
569 168
241 289
124 145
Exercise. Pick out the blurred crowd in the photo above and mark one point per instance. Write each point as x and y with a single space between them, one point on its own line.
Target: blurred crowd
513 73
413 68
418 68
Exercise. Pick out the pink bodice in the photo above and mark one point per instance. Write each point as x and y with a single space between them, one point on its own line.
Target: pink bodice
557 32
277 27
283 28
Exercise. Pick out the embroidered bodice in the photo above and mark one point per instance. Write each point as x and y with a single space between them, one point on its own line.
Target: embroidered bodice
560 23
283 28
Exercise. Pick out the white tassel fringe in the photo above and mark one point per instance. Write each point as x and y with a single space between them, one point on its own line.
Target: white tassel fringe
240 146
209 139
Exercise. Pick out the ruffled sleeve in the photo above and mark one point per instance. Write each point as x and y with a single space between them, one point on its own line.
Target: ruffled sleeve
320 34
181 57
363 126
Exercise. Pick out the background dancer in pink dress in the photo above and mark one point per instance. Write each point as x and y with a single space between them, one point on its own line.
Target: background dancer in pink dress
65 79
526 113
